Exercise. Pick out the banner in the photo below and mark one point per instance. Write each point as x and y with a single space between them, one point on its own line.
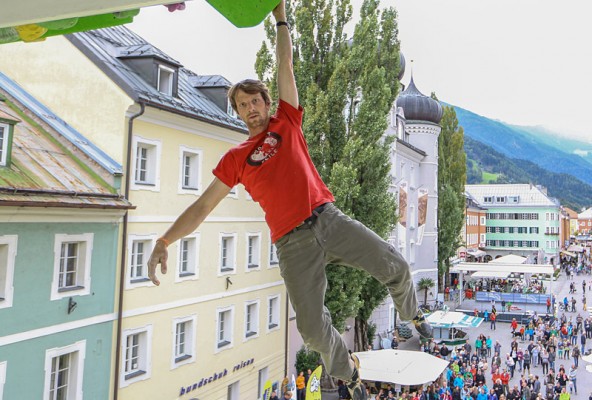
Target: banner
313 387
266 391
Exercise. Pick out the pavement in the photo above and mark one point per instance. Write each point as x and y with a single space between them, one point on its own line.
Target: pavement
504 335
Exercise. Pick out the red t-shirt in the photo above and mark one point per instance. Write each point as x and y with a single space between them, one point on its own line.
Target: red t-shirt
275 168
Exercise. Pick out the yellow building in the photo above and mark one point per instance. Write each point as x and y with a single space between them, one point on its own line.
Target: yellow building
215 328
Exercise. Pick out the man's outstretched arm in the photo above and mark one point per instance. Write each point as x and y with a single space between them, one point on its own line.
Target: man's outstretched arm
185 224
285 79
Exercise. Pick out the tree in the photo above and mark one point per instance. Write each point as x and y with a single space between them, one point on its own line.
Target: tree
452 177
425 284
347 97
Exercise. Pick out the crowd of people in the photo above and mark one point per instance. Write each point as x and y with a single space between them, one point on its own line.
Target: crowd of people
540 362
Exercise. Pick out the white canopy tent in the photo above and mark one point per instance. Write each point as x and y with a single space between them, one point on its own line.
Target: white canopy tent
509 259
490 274
400 366
453 319
499 268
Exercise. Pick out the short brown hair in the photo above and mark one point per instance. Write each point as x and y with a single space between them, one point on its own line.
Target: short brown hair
250 86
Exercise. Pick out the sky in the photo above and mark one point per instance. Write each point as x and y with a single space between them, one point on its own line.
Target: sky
524 62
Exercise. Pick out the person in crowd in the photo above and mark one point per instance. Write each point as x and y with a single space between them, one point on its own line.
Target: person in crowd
300 386
572 376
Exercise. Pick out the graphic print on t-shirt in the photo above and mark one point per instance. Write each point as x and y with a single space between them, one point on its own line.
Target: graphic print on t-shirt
266 150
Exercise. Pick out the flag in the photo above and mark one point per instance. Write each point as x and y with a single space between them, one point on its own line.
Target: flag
293 384
266 390
313 387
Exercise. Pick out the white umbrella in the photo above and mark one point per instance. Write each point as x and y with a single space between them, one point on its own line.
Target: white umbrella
587 358
400 366
589 368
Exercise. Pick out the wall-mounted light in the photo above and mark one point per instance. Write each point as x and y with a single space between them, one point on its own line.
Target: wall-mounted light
71 305
228 282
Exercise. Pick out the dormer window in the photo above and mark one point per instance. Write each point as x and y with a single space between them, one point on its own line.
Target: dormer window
165 80
230 111
7 125
3 143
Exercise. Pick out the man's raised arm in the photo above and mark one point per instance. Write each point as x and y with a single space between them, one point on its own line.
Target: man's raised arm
186 223
285 78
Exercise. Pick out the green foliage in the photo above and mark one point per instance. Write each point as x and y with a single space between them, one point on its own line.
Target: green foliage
452 175
347 96
488 177
425 284
306 359
371 332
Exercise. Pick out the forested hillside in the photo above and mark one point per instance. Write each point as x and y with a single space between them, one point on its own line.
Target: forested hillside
484 160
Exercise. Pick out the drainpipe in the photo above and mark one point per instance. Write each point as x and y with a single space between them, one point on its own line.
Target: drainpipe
287 325
130 129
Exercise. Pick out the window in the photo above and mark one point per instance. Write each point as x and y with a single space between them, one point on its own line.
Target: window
514 199
187 260
8 246
273 257
253 251
146 164
229 110
233 391
190 170
482 238
136 355
500 199
4 129
2 378
227 253
140 248
273 313
184 340
72 264
251 319
483 221
224 328
166 80
488 199
262 378
64 368
391 317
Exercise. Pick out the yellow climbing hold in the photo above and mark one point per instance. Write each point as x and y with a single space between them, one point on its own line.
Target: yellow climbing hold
30 32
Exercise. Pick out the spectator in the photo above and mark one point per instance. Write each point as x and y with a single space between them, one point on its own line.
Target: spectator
572 379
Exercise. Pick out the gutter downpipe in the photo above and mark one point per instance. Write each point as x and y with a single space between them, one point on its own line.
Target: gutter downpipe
286 335
130 129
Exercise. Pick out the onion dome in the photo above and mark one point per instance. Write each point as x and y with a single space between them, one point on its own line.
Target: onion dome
401 66
418 107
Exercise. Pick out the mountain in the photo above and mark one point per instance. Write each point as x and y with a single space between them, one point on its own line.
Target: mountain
542 148
483 160
556 140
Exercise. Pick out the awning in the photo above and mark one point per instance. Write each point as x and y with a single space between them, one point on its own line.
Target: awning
476 252
400 366
491 274
575 248
453 319
509 259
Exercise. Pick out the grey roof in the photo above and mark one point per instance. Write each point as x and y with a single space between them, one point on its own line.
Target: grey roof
45 172
59 125
529 195
417 106
209 81
108 47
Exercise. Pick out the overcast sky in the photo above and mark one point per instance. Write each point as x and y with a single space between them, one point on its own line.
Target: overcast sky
526 62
